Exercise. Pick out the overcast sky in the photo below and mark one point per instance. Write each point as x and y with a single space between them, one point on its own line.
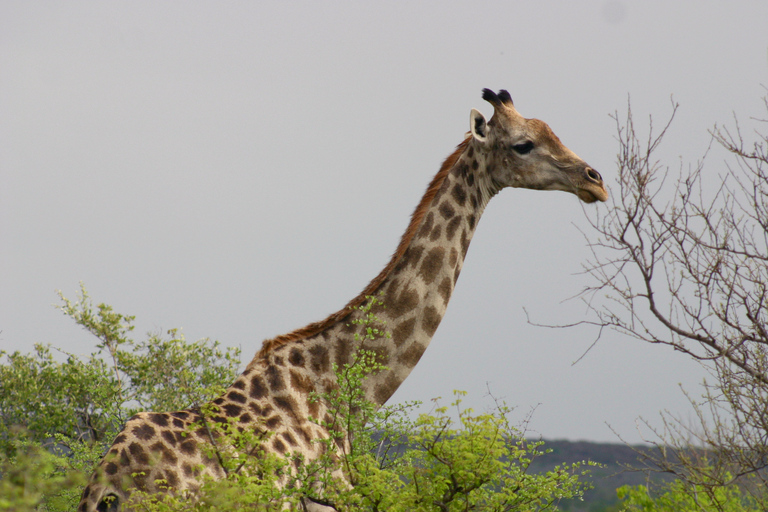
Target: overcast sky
239 169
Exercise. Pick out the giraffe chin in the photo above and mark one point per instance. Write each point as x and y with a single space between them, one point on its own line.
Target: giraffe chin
589 196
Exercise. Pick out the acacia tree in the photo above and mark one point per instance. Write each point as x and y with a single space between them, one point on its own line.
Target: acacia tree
681 259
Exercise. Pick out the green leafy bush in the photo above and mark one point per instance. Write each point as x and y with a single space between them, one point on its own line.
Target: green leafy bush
58 417
681 496
375 459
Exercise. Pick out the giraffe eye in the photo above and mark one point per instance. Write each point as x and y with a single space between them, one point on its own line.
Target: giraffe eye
523 147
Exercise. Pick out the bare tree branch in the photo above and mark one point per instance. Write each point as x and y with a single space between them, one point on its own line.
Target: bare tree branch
681 259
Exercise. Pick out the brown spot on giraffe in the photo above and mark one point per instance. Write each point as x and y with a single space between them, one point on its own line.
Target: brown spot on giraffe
432 264
403 331
187 469
232 410
436 233
387 389
459 194
144 431
399 304
273 422
445 289
411 257
304 435
124 459
274 376
169 455
237 397
289 439
140 479
430 320
296 357
278 446
426 228
447 210
166 454
172 478
412 354
188 447
138 454
453 258
344 349
288 405
450 230
313 407
321 361
301 383
161 420
464 241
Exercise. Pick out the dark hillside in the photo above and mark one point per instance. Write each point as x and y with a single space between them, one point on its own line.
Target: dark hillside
615 459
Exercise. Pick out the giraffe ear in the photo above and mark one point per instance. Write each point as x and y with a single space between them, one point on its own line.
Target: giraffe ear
478 126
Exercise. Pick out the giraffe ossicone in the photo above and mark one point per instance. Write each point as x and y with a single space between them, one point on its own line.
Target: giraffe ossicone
273 393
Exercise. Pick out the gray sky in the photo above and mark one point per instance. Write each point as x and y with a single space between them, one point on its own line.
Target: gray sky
240 169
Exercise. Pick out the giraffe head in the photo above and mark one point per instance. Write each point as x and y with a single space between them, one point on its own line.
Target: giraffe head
525 153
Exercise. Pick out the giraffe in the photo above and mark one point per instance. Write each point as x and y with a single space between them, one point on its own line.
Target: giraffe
273 391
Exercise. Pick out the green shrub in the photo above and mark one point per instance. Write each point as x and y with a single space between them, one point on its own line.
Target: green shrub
375 459
680 496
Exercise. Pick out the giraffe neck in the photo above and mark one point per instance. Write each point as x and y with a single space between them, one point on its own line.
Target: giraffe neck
276 390
415 294
414 288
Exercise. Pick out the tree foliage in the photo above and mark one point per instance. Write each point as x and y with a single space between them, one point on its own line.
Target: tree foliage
58 417
678 496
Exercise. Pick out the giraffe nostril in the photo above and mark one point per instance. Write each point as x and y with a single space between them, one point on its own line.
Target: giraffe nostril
594 175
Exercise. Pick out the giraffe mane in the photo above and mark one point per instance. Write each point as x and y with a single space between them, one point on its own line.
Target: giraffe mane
416 218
